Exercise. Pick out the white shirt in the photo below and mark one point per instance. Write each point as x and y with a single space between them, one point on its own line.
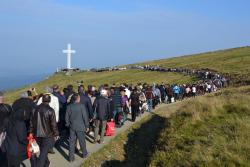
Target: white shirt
54 103
209 86
194 89
127 92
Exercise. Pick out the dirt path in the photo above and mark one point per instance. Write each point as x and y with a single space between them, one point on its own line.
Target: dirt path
60 158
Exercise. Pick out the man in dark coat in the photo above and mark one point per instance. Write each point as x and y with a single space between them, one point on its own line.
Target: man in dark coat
26 104
62 106
5 111
102 113
16 137
43 127
68 92
78 122
135 103
86 101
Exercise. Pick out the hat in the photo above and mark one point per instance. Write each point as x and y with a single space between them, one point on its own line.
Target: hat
104 92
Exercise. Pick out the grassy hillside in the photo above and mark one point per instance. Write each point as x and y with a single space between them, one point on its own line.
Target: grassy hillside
118 77
212 130
233 62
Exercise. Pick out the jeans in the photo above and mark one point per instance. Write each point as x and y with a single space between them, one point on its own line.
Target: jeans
176 96
117 110
100 124
150 104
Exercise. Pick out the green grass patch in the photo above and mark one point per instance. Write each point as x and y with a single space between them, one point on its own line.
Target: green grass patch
212 130
208 131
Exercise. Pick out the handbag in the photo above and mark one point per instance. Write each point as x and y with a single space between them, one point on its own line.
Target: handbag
32 147
110 128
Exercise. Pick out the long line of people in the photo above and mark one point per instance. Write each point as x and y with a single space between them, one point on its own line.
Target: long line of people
64 112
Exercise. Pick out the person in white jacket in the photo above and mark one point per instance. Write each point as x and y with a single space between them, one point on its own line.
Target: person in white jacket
53 104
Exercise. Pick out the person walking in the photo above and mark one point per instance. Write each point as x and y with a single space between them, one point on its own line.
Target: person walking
124 104
16 136
43 128
54 104
77 121
102 113
62 106
86 101
5 111
135 103
176 90
194 91
150 96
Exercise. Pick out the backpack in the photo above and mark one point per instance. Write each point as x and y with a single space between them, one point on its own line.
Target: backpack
149 94
119 118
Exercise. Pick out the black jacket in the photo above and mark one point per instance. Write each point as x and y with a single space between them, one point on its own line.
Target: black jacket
102 109
77 117
43 122
16 135
86 101
28 106
5 111
134 97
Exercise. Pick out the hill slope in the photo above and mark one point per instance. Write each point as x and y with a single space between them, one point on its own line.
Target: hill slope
235 63
97 79
212 130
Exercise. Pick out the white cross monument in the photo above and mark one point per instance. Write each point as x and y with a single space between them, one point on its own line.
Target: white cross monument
69 52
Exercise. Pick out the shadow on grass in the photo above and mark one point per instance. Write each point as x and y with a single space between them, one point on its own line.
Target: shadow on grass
140 145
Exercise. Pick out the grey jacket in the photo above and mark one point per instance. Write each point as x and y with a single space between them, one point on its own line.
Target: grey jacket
77 117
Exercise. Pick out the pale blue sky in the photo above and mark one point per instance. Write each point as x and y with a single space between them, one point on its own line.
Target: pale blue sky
114 32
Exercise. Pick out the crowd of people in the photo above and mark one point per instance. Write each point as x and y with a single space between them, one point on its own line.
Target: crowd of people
84 111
